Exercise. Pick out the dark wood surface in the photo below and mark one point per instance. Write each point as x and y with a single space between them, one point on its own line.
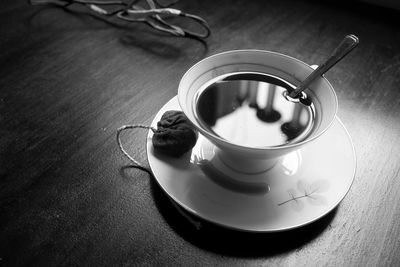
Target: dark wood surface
68 80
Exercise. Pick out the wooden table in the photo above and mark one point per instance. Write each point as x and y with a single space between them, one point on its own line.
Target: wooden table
68 80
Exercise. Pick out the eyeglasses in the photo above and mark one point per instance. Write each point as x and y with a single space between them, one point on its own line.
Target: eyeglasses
155 15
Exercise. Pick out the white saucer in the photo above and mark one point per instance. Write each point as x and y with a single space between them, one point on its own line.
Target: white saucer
304 186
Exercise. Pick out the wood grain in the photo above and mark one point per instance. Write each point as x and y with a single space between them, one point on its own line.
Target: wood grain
68 80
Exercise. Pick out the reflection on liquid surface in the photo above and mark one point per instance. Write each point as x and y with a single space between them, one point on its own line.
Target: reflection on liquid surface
248 109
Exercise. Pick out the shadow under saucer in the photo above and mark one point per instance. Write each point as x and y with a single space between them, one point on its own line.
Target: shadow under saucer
218 239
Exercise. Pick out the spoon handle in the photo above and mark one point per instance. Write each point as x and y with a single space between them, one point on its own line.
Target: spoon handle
348 43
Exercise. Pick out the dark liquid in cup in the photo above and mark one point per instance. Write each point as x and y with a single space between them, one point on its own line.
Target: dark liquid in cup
249 109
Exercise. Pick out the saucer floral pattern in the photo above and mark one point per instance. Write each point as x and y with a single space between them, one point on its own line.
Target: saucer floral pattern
310 193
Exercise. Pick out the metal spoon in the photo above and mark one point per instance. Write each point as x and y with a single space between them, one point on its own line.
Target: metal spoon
348 43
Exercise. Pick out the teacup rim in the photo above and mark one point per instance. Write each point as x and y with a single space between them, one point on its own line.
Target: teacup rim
241 147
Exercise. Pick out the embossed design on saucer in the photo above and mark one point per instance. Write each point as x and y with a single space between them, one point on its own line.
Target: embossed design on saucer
313 193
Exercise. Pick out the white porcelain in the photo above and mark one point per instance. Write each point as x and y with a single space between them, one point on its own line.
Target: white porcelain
302 187
249 159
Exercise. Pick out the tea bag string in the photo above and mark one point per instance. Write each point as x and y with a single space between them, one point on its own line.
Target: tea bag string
127 127
197 224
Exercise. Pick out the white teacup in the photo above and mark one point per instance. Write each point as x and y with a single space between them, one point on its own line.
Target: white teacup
256 159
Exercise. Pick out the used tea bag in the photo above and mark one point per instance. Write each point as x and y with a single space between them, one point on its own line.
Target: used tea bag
175 135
